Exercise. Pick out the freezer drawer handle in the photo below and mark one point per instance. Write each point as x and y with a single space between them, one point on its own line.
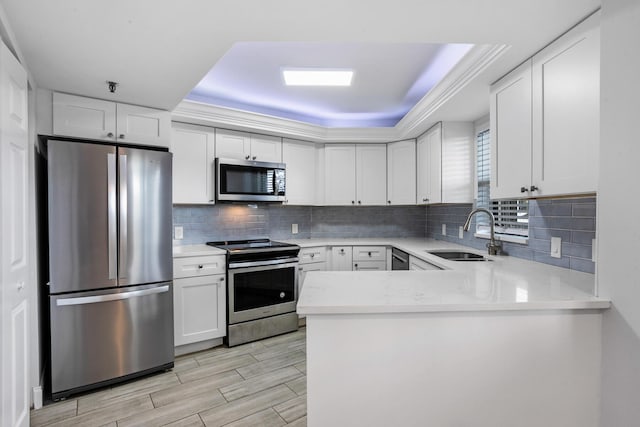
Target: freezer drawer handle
112 297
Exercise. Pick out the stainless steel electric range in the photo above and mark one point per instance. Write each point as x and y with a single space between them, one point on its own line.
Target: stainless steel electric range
262 293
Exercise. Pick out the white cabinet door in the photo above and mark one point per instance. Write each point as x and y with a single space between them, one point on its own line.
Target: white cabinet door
300 158
266 148
231 144
511 126
566 113
369 266
341 258
142 125
312 255
199 308
458 145
84 117
401 173
371 174
303 269
429 166
340 174
193 149
15 264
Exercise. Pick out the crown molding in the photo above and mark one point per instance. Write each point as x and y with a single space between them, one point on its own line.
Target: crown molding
413 124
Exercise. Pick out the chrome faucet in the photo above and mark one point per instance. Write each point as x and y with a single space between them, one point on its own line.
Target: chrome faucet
493 247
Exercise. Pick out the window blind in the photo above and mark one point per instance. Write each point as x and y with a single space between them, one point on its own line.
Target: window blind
512 216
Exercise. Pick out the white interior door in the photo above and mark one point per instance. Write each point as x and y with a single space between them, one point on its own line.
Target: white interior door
14 260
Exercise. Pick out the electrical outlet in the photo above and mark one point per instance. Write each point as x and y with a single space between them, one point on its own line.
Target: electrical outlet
444 229
178 233
556 247
460 233
294 228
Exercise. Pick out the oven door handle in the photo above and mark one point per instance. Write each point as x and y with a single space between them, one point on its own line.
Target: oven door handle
248 264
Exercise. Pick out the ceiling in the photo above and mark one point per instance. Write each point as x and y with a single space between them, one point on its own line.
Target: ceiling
249 77
159 51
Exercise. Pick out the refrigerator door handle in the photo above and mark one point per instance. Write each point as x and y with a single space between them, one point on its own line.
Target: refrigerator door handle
112 216
111 297
124 264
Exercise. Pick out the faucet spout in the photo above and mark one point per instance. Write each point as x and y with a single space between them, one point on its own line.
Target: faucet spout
493 247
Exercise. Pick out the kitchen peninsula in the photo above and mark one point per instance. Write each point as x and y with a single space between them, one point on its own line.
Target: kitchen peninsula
491 343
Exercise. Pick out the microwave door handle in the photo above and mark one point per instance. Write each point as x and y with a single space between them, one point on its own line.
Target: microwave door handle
274 190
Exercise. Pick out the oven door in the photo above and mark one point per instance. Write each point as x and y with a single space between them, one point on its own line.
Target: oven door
261 289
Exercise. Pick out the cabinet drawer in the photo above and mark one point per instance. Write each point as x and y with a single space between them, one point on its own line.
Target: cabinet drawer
418 264
198 266
369 253
369 265
308 255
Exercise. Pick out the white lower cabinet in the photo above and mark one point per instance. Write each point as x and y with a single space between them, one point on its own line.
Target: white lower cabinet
199 299
369 258
417 264
341 258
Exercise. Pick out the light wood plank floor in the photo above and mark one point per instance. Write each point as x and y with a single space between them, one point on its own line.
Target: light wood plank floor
256 384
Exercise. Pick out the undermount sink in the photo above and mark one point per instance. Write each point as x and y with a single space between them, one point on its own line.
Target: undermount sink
459 256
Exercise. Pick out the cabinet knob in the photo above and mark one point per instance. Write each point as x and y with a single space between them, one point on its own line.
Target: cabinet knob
341 251
359 202
425 200
388 202
312 255
353 202
369 253
355 266
222 279
110 135
523 189
121 136
246 157
533 188
200 266
253 158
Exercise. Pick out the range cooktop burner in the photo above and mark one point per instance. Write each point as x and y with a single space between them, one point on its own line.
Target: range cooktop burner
253 245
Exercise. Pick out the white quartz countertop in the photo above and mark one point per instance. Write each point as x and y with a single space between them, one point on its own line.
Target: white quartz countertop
505 283
196 250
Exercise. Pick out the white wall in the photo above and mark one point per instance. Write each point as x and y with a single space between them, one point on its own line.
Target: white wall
618 272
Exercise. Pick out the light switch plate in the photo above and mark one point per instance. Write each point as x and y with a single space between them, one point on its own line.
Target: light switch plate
460 233
556 245
178 233
294 228
444 229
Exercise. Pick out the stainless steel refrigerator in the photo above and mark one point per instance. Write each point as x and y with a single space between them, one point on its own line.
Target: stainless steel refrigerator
110 294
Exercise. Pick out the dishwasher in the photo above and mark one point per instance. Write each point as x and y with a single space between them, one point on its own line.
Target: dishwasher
399 259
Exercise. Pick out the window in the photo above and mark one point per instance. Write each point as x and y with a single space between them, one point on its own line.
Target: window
512 216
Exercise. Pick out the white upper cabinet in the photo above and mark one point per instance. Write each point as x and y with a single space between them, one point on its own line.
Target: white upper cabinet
545 120
511 134
232 144
566 113
193 149
355 174
340 174
458 144
82 117
429 168
371 174
401 172
301 171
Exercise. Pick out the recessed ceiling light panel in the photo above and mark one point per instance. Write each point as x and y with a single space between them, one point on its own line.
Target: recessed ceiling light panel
317 77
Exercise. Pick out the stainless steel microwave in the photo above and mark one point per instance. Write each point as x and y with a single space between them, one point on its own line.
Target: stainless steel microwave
247 180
